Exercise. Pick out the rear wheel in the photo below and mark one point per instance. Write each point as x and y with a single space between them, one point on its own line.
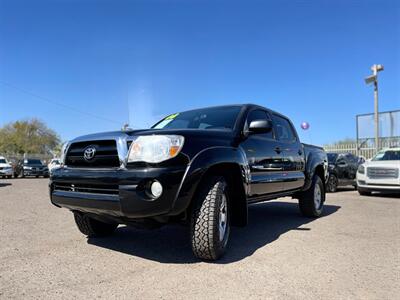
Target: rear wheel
210 226
92 227
311 202
332 184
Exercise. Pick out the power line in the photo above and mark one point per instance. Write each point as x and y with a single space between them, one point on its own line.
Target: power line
57 103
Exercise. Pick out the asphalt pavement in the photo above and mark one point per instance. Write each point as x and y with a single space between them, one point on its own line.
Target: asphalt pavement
351 252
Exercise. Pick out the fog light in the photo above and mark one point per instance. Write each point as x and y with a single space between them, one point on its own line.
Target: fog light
156 189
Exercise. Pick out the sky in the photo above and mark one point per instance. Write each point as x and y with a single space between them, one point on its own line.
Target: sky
85 66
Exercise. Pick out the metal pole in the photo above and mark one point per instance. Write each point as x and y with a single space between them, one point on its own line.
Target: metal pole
376 114
357 148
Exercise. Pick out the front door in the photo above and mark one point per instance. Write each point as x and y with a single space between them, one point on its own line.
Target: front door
264 158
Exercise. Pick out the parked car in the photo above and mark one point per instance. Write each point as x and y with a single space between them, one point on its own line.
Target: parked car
381 173
342 170
201 167
6 169
31 167
54 163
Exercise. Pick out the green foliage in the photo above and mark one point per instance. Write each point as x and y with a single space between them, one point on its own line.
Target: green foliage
30 136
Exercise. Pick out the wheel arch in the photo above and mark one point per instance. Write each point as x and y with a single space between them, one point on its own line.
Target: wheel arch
219 161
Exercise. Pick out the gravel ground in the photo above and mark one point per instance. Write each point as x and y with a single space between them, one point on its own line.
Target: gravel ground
352 252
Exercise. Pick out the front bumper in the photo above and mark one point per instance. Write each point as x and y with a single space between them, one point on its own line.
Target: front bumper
117 192
36 172
6 172
382 184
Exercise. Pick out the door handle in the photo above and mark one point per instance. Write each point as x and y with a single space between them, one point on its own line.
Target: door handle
277 150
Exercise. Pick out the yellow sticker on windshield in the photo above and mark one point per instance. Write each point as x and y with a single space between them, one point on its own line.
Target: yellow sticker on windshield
171 117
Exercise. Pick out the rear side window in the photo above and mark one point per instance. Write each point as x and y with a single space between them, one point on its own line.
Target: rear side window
351 158
283 130
259 114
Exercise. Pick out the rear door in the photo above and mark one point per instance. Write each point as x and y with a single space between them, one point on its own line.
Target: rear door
293 162
342 166
264 157
353 166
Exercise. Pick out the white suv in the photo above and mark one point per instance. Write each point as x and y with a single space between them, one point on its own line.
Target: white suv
381 173
6 170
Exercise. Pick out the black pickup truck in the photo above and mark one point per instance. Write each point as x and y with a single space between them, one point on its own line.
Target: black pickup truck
201 168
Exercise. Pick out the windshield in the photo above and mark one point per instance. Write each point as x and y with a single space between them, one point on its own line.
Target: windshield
2 161
208 118
332 157
32 162
387 155
56 162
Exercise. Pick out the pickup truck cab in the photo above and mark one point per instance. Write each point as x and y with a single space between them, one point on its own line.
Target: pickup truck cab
201 167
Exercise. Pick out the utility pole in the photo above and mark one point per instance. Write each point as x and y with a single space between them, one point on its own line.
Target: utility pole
374 79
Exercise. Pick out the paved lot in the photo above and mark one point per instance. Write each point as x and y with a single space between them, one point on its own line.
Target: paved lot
352 252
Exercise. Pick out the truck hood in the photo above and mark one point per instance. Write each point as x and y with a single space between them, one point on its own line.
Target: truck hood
129 135
383 163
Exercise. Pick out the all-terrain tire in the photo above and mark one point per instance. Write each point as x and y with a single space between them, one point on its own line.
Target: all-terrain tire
93 228
210 228
331 186
309 205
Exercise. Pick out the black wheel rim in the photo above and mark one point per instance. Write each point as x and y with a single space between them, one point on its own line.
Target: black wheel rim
332 183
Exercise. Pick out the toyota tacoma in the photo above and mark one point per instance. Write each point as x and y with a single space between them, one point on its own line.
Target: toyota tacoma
201 168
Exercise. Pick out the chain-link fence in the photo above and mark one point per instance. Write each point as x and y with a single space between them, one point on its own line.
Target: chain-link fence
366 149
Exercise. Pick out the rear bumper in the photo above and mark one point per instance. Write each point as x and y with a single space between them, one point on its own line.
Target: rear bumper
118 192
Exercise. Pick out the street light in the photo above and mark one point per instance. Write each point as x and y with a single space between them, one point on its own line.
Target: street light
374 79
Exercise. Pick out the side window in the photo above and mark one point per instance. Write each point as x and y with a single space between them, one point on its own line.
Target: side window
341 159
259 114
283 130
351 158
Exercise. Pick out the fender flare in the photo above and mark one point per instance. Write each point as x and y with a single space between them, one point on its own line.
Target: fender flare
200 164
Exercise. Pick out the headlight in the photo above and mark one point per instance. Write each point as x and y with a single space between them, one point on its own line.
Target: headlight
361 169
63 152
155 148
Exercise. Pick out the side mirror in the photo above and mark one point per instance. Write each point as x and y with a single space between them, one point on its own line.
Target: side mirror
260 126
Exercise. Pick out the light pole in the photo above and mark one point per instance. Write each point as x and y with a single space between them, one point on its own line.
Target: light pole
374 79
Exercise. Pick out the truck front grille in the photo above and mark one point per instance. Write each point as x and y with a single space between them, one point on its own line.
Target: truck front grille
382 173
86 188
105 156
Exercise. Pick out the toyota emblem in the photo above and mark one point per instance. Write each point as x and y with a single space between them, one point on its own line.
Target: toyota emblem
89 152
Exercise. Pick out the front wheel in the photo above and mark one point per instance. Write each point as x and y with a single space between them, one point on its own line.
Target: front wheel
210 226
311 202
92 227
332 184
